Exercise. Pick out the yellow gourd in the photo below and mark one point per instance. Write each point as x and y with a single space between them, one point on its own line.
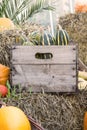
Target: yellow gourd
85 121
6 24
13 118
82 74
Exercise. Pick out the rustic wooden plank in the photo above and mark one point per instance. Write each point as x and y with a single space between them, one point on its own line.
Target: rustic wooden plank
50 78
61 54
58 74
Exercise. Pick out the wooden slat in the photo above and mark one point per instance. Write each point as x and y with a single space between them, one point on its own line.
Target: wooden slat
61 54
50 78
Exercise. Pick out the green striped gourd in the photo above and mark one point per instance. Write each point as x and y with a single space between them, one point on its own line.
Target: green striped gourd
62 37
42 38
46 39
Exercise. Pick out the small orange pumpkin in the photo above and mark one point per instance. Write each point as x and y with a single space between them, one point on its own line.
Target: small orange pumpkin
85 121
4 74
6 24
13 118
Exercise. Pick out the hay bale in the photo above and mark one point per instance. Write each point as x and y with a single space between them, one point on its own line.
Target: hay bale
53 111
76 26
7 38
18 36
31 27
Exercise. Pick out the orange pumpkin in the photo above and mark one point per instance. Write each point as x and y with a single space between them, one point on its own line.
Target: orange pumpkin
3 80
85 8
13 118
6 24
85 121
80 8
4 74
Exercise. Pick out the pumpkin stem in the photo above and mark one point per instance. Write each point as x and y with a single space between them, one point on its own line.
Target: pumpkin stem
59 27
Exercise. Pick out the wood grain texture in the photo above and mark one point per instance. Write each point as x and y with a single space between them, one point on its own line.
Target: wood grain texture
58 74
61 54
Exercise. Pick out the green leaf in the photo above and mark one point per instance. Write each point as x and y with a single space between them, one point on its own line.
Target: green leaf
9 88
21 10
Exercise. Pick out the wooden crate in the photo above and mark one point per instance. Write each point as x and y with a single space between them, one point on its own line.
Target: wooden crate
57 74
